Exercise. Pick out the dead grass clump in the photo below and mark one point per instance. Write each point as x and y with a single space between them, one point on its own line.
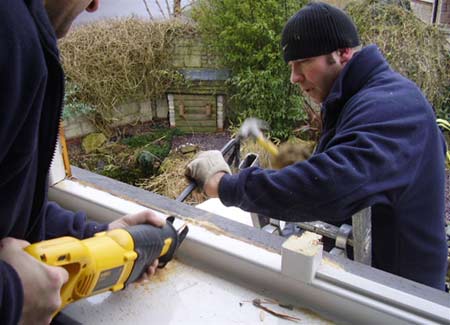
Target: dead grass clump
413 48
251 146
170 182
117 61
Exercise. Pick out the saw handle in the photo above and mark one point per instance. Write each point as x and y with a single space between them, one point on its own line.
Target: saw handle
151 243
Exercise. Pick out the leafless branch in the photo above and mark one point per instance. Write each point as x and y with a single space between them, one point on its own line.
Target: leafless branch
160 9
168 8
148 9
186 6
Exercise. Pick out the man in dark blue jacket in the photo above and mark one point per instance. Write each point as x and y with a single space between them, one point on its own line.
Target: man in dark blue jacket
31 96
380 147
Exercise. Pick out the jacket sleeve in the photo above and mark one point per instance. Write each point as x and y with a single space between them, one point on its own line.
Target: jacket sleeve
11 295
62 222
367 161
17 47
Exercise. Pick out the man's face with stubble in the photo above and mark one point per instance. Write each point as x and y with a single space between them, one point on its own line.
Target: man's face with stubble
62 13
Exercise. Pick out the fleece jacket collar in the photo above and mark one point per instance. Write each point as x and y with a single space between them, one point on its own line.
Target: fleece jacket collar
46 32
365 64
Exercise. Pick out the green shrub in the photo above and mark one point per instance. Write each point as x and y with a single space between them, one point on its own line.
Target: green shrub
247 35
269 98
73 107
445 126
413 48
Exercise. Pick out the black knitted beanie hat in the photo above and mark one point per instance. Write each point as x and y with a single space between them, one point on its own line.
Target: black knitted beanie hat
317 29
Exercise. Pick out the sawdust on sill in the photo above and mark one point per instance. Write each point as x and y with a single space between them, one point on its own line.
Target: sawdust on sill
331 263
221 232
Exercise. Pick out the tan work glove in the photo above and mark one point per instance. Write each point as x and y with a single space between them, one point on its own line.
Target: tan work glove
291 153
205 165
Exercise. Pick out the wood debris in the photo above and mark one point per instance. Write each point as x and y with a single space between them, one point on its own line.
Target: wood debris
259 304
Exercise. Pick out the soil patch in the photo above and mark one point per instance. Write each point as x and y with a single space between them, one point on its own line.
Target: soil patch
205 141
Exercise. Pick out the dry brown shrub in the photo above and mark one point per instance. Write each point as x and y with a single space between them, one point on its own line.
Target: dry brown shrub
171 181
117 61
251 146
413 48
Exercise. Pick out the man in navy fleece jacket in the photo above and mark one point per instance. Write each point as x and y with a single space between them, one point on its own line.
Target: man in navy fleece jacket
31 96
380 147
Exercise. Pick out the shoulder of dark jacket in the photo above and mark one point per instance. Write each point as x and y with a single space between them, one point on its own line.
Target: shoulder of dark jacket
365 64
46 32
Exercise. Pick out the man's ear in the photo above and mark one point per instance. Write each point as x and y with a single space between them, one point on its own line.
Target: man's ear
345 55
93 6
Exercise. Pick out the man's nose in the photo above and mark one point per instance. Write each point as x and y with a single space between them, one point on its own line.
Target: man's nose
296 77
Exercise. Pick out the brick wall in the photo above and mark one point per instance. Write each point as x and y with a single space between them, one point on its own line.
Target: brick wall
192 53
124 114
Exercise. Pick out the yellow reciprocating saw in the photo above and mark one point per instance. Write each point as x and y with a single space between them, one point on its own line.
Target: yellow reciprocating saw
111 259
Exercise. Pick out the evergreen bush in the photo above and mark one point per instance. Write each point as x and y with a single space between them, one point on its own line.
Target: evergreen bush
247 36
